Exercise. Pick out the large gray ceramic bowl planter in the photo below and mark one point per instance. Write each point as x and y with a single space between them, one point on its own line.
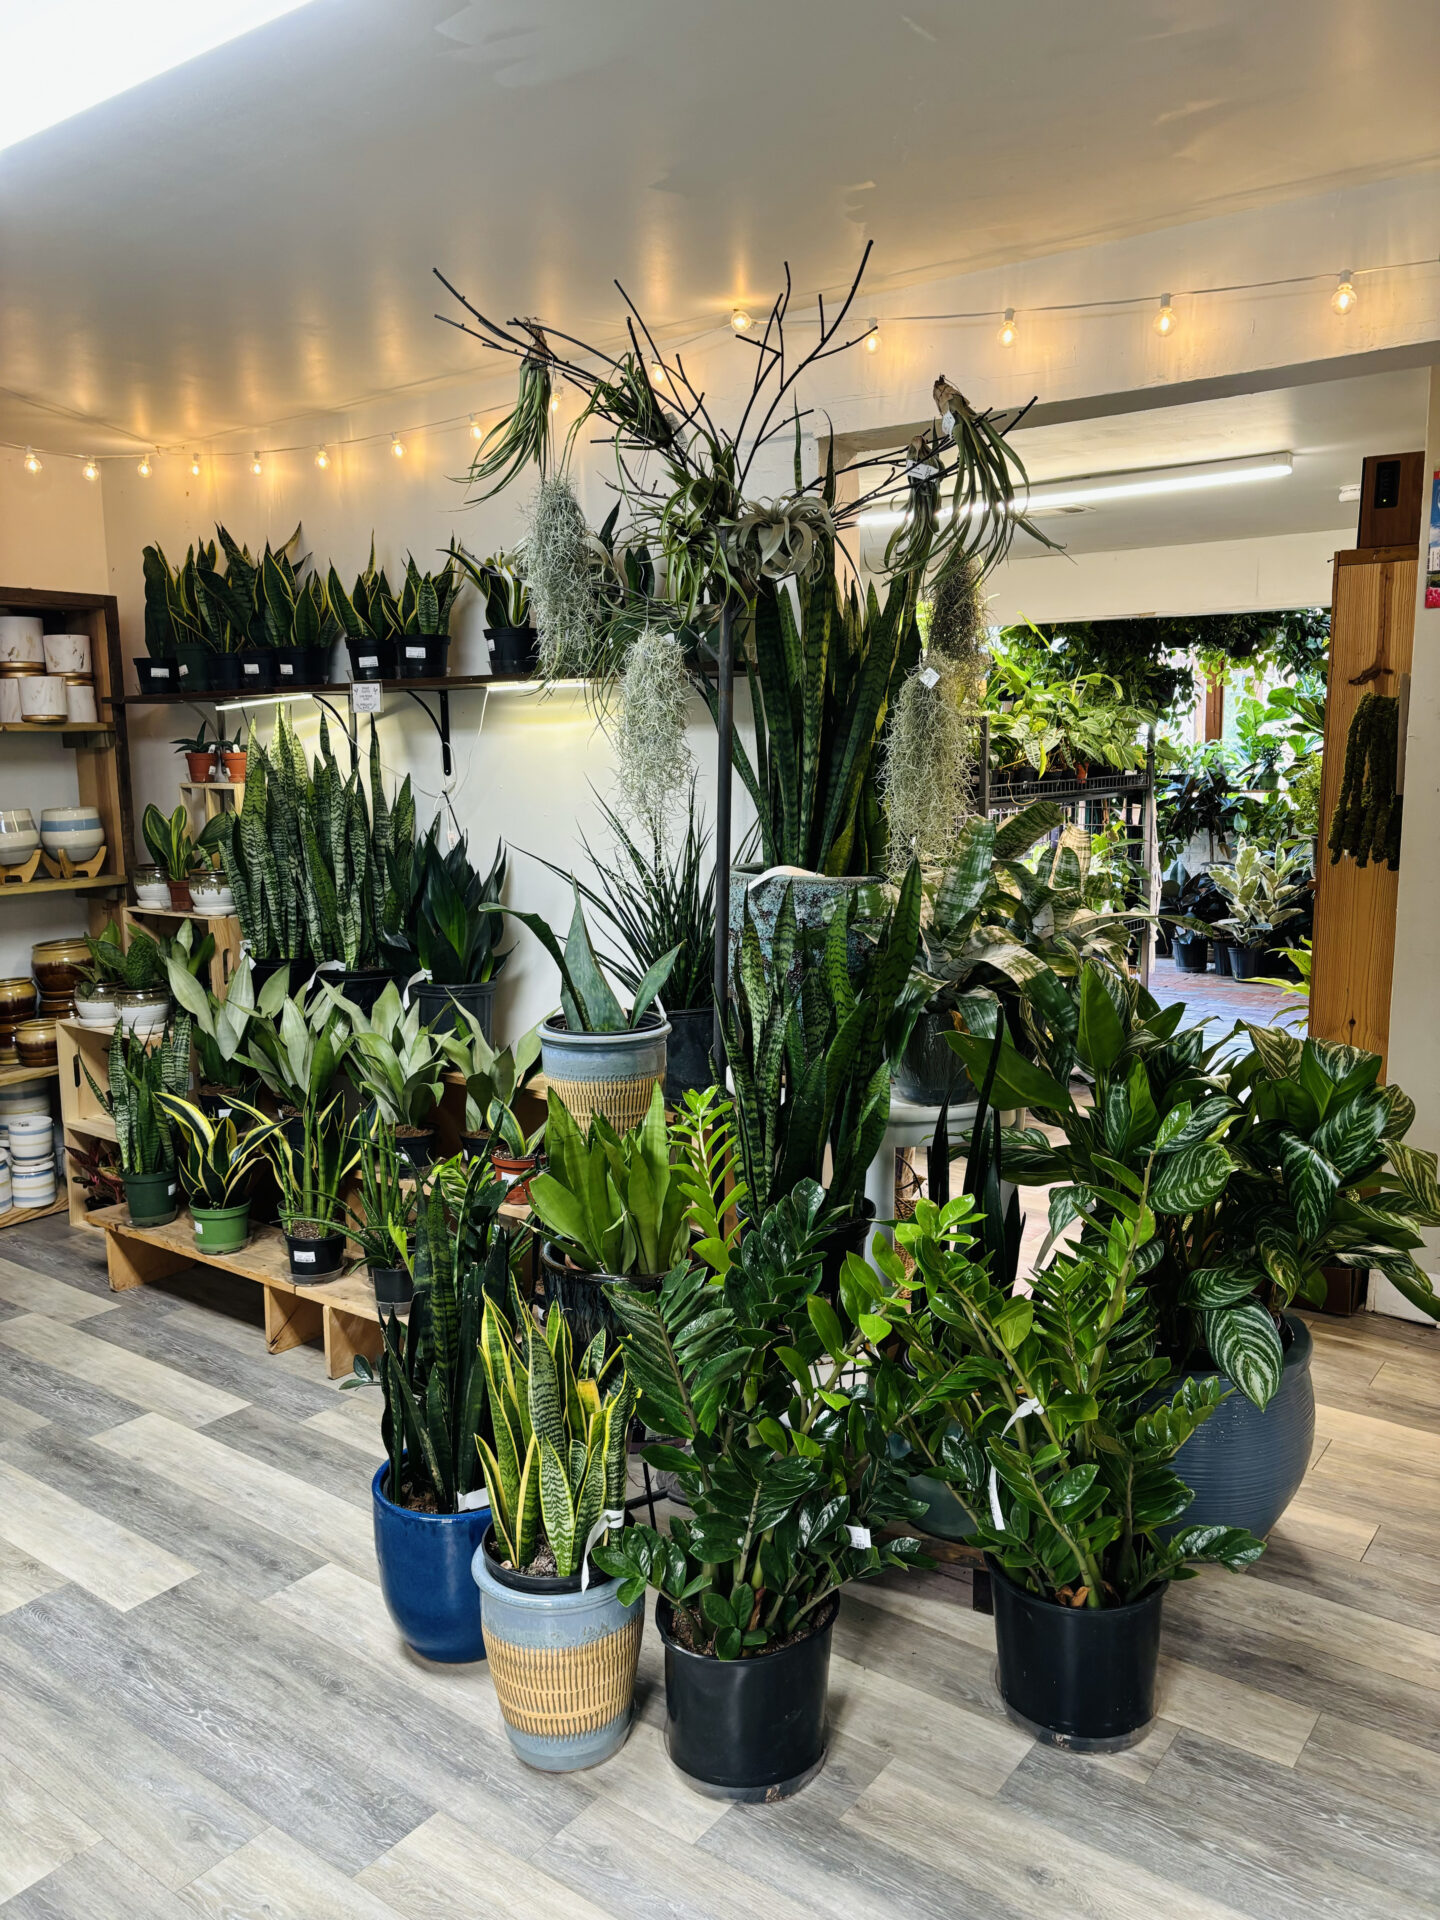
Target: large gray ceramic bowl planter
609 1073
1244 1465
563 1662
816 897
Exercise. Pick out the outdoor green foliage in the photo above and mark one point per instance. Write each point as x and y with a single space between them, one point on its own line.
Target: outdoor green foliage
169 839
384 1221
317 869
1038 720
808 1055
1367 817
453 939
782 1452
219 1026
493 1077
656 898
612 1202
395 1060
501 580
430 1366
1257 886
556 1471
586 996
1259 1171
1197 797
138 1075
218 1159
1061 1415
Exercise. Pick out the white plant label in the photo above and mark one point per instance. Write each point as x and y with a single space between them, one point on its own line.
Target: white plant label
859 1537
304 1259
365 696
369 659
477 1497
159 673
252 667
287 670
929 678
414 653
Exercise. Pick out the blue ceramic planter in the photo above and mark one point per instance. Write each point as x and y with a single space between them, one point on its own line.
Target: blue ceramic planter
425 1575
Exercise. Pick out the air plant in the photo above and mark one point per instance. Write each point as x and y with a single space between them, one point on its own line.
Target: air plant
654 763
522 437
562 563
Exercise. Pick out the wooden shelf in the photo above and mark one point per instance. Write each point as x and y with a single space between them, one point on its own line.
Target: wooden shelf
12 1076
22 1216
58 726
13 890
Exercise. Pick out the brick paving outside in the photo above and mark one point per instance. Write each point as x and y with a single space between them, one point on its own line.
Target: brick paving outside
1215 997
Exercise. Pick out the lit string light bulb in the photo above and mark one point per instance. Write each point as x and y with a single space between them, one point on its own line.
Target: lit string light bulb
1008 329
90 470
872 339
555 403
322 458
397 446
195 465
257 465
739 320
1344 297
142 466
32 460
477 432
1165 318
657 373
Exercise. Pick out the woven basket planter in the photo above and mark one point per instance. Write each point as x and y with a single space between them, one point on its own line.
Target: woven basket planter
563 1663
613 1074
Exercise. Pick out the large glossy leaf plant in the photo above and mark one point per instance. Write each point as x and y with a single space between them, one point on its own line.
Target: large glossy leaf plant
1260 1170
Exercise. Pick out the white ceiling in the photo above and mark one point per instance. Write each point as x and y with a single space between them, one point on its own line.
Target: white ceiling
251 236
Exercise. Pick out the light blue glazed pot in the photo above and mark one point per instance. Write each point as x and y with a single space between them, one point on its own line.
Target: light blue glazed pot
609 1073
563 1663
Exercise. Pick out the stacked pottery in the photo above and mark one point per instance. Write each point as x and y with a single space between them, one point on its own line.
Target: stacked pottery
77 832
57 965
37 1042
7 1191
32 1159
17 1003
22 658
19 836
42 700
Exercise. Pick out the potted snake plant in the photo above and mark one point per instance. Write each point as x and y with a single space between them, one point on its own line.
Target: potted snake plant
383 1225
138 1074
562 1643
492 1081
218 1161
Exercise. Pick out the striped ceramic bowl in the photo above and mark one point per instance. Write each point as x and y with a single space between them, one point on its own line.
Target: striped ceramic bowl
77 831
33 1182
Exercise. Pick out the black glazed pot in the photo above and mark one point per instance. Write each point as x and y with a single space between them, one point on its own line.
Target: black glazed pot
851 1236
437 1003
513 649
371 659
930 1071
315 1259
225 672
1081 1677
687 1053
156 676
422 656
580 1296
751 1729
257 669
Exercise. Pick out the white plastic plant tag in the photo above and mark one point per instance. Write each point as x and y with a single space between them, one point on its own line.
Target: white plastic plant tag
304 1259
287 669
477 1497
996 1511
612 1517
859 1537
159 673
170 1191
369 659
414 653
947 423
251 667
929 677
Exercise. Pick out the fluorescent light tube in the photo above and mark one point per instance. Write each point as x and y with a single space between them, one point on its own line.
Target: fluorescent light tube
1054 496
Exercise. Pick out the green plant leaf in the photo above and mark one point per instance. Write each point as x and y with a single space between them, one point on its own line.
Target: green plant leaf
1244 1344
1190 1179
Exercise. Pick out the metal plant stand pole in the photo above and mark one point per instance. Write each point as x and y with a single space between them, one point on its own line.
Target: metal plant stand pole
725 727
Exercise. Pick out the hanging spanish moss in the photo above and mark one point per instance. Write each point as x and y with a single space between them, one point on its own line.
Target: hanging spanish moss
562 564
654 763
957 621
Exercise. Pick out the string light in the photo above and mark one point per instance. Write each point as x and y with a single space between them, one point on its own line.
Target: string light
32 460
257 466
195 465
477 432
1008 329
1344 297
322 458
90 470
657 373
1165 318
740 320
143 466
397 446
872 339
555 403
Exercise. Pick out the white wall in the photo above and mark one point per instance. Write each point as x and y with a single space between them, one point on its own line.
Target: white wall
52 535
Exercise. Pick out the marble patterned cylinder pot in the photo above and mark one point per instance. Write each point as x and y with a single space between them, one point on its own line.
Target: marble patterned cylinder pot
67 653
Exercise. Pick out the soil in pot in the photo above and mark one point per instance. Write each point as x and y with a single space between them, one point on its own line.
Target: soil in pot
424 1561
752 1729
316 1249
151 1198
1081 1677
156 676
371 659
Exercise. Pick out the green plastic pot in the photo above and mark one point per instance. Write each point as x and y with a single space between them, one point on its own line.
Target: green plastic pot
221 1229
151 1199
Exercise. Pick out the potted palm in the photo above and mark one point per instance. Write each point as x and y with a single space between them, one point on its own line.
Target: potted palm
612 1206
383 1225
218 1161
562 1643
138 1074
783 1461
396 1064
428 1494
1065 1421
595 1056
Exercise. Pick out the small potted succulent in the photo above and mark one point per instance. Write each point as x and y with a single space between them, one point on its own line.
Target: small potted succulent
218 1161
170 842
138 1075
562 1644
199 751
383 1224
428 1494
232 756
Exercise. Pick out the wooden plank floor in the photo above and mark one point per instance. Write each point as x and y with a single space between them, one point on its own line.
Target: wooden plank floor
207 1714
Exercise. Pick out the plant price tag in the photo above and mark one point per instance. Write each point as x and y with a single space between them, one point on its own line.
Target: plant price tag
929 678
859 1537
365 696
477 1497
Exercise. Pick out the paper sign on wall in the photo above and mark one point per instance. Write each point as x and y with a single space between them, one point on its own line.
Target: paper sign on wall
365 696
1432 553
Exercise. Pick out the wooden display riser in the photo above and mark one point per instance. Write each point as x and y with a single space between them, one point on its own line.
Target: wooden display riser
340 1312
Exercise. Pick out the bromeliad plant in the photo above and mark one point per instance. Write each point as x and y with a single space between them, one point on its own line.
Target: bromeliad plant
218 1160
138 1076
587 999
556 1471
613 1202
1260 1170
782 1454
1061 1416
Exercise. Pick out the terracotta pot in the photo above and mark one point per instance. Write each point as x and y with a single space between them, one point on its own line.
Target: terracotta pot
234 766
180 900
201 765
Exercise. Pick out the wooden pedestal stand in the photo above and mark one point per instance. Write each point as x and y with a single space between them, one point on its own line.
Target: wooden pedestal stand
27 870
61 867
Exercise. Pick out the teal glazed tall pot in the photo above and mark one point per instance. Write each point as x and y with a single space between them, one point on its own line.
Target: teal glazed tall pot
1245 1465
563 1662
609 1073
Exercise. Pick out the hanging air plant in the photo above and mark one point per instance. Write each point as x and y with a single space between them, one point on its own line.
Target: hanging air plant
523 435
562 565
654 762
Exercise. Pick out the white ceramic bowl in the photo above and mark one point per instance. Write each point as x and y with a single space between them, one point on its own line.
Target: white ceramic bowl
42 698
7 1193
212 900
22 638
77 831
19 836
10 714
98 1010
32 1137
67 653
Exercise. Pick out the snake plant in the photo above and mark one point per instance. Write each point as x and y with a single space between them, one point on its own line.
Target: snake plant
613 1202
169 839
493 1077
218 1159
556 1471
395 1060
586 997
139 1074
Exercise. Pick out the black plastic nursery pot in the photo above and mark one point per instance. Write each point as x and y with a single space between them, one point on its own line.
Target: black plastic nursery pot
1246 963
751 1729
438 1003
687 1053
225 672
292 667
156 676
151 1198
513 649
1080 1677
371 659
419 1147
192 668
393 1286
314 1255
1224 956
1192 953
422 656
363 985
257 669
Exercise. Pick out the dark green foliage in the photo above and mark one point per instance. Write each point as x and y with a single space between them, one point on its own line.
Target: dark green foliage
586 996
138 1075
808 1055
785 1463
1367 817
446 928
